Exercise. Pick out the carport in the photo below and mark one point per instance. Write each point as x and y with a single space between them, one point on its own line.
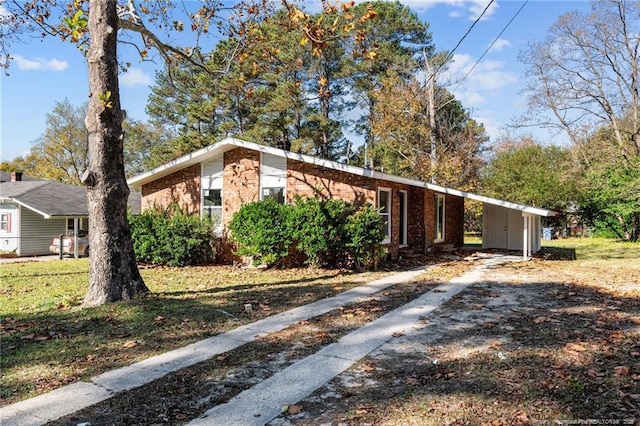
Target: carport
511 226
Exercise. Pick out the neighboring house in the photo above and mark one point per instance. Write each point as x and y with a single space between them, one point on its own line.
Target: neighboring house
418 216
34 211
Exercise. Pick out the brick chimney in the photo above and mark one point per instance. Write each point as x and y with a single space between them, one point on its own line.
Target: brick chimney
16 176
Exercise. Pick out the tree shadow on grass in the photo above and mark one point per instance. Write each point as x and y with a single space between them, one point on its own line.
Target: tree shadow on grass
87 342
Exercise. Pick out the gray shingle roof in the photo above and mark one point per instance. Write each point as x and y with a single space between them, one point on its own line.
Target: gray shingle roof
52 199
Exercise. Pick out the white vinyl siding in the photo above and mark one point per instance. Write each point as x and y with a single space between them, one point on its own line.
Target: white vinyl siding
384 206
212 182
273 177
36 232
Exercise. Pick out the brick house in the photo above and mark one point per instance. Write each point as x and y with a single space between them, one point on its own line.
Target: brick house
418 216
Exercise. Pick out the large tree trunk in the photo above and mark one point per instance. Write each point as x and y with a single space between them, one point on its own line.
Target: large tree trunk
113 274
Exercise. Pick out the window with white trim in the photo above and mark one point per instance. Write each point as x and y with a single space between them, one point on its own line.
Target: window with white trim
212 189
384 206
273 177
439 218
5 222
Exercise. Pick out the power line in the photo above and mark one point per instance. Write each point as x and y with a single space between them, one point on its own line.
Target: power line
491 45
450 54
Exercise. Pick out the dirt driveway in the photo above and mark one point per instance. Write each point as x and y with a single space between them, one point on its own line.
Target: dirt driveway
531 344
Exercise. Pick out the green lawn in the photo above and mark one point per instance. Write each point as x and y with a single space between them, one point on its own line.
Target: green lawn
48 341
596 248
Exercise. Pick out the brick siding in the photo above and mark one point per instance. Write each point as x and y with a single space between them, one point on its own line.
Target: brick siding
241 184
181 187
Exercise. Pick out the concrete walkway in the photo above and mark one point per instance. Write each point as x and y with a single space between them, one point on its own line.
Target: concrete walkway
267 397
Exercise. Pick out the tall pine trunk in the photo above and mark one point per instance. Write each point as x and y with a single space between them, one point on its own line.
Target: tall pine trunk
113 273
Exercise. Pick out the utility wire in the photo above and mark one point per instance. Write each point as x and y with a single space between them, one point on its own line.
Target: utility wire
450 54
490 46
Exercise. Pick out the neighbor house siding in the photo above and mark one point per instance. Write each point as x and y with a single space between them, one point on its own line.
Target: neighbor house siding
36 232
181 187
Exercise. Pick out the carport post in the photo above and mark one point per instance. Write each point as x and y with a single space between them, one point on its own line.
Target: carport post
75 237
527 229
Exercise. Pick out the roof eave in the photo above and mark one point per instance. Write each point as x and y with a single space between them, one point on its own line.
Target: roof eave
230 143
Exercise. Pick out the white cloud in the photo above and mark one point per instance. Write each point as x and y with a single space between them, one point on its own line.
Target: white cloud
39 64
471 99
135 77
474 88
478 6
500 44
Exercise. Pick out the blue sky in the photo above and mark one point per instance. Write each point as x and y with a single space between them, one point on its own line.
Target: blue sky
44 72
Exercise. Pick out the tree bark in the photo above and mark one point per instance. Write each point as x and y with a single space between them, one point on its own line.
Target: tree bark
113 273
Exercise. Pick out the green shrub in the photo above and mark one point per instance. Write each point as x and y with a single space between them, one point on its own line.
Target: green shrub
172 237
262 230
328 232
319 229
365 235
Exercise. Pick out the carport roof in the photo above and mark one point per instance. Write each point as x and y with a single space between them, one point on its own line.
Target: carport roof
228 144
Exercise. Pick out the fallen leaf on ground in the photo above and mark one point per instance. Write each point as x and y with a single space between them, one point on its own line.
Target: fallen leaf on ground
368 367
130 344
411 381
522 418
294 409
574 347
398 334
621 370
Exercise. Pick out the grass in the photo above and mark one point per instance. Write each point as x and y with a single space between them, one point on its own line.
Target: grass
48 341
596 248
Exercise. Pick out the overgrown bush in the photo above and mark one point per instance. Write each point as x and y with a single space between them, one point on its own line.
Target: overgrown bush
319 229
365 235
262 230
172 237
328 232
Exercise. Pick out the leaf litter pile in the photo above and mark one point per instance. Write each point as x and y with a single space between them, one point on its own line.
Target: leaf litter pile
535 343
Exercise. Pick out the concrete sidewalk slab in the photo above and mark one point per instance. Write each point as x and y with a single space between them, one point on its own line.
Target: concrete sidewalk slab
52 405
264 401
71 398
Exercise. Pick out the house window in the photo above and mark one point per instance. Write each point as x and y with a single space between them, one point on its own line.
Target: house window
439 218
273 177
5 222
276 194
212 206
212 182
384 206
